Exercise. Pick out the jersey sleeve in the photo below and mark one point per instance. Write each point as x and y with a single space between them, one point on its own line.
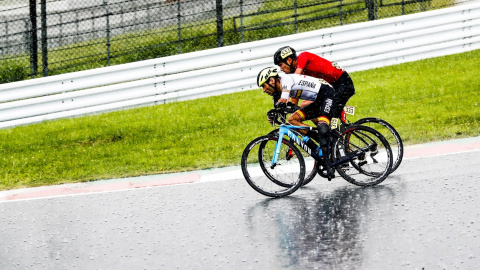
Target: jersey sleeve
287 84
302 60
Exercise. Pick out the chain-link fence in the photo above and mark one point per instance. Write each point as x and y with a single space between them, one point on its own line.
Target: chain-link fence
47 37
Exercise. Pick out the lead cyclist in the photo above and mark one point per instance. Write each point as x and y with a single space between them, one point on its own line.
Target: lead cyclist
319 106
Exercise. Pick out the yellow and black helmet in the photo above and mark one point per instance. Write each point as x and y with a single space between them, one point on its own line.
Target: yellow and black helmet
265 74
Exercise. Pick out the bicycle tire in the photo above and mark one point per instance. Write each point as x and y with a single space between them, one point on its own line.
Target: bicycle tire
283 179
367 154
390 133
309 162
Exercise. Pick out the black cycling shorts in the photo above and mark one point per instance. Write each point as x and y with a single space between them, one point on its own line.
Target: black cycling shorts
345 90
324 105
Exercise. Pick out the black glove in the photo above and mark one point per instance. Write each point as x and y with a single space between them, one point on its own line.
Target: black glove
272 115
280 105
271 121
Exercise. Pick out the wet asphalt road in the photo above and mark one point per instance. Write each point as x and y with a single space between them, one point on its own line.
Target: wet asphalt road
424 216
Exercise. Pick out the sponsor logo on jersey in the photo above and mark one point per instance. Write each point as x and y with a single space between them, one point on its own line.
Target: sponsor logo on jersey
328 105
307 84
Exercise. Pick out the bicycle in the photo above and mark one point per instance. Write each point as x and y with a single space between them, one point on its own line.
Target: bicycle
385 128
360 154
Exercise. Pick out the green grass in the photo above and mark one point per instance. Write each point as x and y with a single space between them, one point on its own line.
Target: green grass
429 100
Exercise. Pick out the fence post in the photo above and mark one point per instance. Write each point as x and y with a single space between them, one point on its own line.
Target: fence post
33 38
296 14
179 26
371 6
341 12
219 23
241 21
107 31
43 4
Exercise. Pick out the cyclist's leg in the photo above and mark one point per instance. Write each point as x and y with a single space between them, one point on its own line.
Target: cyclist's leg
310 163
297 118
345 90
322 109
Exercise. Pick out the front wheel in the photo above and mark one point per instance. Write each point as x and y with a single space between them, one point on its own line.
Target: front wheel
282 179
310 163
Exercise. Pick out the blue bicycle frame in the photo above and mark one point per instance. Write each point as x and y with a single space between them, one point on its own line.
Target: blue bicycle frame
287 130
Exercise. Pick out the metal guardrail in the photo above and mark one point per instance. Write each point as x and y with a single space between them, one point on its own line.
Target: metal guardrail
200 74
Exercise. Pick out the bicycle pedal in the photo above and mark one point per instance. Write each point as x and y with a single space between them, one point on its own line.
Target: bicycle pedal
330 174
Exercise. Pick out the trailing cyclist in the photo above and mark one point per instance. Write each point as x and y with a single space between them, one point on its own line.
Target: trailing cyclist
310 64
320 94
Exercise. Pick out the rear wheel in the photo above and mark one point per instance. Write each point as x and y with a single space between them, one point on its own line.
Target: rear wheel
389 132
282 179
367 155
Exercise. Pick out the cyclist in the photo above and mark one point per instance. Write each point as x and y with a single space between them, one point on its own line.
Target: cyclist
320 95
313 65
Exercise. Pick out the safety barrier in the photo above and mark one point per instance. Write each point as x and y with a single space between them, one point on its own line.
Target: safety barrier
205 73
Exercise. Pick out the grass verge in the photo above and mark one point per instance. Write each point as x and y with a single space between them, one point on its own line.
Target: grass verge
428 100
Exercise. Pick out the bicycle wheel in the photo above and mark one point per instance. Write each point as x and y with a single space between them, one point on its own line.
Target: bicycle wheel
283 179
389 132
310 170
366 153
310 162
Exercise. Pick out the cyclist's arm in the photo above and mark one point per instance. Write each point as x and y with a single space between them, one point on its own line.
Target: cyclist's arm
302 62
299 71
287 84
294 100
282 100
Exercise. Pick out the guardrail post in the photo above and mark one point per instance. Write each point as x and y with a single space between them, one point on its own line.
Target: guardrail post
33 38
219 23
43 8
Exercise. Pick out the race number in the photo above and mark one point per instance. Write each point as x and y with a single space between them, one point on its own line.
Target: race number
334 123
337 66
322 81
286 52
349 110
